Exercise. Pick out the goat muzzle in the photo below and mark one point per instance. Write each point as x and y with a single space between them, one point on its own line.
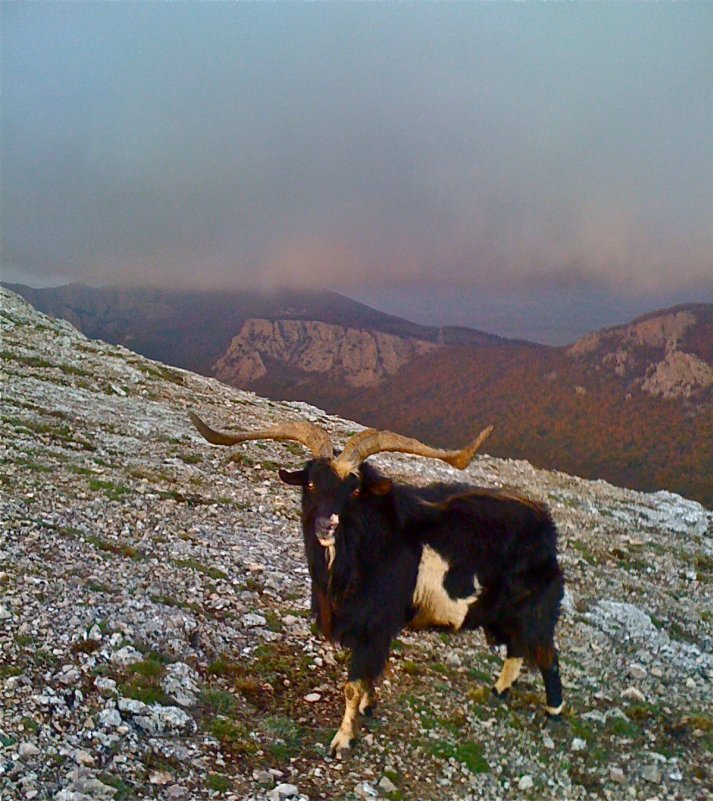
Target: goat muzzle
325 529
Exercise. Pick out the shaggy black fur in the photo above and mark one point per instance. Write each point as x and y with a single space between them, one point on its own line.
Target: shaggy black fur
508 543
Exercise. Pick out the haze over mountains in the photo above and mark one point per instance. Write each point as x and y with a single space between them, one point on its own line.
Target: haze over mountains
632 404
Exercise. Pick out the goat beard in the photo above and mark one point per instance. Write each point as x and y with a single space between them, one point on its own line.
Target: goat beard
343 576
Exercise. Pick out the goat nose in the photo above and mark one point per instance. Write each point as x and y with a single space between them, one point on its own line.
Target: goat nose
325 528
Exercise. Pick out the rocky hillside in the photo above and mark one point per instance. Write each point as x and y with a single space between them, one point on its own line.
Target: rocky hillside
631 404
668 354
155 641
357 357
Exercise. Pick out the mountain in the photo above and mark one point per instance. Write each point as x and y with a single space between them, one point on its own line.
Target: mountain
155 636
193 329
631 404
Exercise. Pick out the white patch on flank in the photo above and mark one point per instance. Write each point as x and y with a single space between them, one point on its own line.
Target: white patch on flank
434 607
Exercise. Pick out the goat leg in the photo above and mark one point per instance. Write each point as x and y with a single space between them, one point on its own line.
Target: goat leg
354 691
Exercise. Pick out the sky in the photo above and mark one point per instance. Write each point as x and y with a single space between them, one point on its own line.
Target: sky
532 169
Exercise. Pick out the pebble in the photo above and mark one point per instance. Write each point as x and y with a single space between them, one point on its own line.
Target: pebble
252 620
526 783
27 749
617 775
128 655
160 777
637 671
283 791
176 793
632 694
82 757
578 744
387 785
365 790
311 698
105 686
5 613
652 774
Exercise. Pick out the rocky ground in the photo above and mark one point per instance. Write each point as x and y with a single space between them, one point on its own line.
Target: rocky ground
154 630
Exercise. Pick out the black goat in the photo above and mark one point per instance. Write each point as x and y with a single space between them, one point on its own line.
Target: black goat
384 555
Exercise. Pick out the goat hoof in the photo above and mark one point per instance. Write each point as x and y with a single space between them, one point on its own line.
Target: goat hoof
554 720
340 745
368 711
501 696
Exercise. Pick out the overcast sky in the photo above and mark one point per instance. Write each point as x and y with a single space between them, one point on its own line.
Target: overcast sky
424 156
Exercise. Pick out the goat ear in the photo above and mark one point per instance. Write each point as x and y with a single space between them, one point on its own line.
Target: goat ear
298 478
378 486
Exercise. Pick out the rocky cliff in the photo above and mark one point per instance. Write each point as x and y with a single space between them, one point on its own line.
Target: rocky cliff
360 358
154 631
657 353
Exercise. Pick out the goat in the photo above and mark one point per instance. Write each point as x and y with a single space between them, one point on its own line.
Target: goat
384 555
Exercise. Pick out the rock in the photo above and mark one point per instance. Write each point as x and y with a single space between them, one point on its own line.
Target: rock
263 777
95 633
109 718
637 671
387 785
85 783
69 675
181 683
5 613
578 744
617 775
127 655
526 783
365 790
252 620
176 793
312 698
652 774
453 659
132 706
632 694
105 686
83 758
160 777
283 791
548 742
595 715
27 749
159 719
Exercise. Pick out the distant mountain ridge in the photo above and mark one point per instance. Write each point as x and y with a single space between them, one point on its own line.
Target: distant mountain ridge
632 404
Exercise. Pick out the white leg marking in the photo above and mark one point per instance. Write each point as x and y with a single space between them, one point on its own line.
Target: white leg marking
509 674
368 698
353 692
554 710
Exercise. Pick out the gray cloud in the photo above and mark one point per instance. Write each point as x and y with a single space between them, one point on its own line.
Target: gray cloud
360 146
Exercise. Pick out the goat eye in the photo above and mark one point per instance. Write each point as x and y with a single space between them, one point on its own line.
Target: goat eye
309 486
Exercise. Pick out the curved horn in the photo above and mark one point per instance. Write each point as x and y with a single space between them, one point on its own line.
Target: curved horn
369 442
313 437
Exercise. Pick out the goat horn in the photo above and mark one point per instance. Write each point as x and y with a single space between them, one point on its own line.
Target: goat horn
369 442
313 437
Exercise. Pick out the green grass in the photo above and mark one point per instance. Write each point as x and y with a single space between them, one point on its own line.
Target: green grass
467 753
285 735
233 736
194 564
217 783
114 492
219 702
118 548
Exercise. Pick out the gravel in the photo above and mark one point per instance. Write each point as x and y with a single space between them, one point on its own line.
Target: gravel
155 640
